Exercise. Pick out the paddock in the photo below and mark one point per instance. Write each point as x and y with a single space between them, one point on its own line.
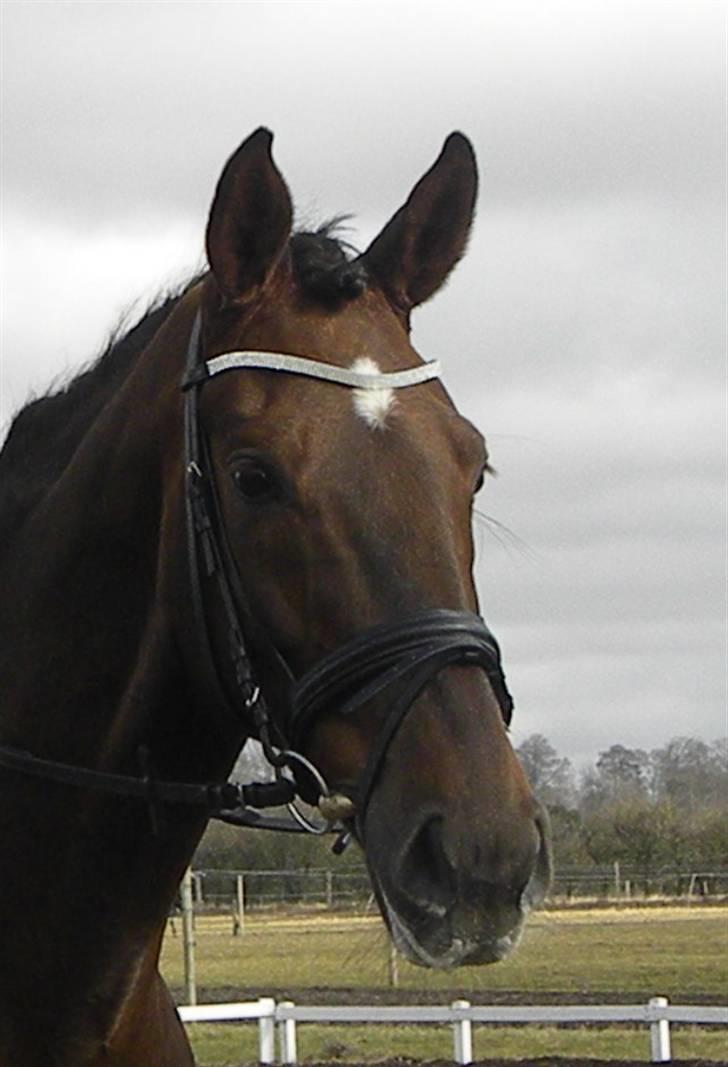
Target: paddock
594 963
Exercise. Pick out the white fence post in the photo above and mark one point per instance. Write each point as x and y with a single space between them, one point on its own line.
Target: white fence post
267 1031
287 1037
659 1033
462 1033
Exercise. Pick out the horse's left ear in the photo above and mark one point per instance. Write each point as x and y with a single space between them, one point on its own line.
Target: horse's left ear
420 245
250 220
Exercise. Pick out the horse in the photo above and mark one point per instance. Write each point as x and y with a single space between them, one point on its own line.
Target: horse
250 517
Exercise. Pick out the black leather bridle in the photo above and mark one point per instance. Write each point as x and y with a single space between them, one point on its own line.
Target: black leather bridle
393 662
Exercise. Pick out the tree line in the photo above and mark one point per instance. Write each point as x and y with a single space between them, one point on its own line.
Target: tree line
649 811
666 808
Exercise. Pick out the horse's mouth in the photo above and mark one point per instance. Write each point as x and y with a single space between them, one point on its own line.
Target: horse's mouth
437 943
479 927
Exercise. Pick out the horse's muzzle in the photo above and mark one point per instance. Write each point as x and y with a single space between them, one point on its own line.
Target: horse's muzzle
447 906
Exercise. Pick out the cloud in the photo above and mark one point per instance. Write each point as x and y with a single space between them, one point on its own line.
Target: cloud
139 106
584 293
64 293
613 617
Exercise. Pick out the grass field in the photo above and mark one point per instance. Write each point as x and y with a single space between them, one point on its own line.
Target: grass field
593 956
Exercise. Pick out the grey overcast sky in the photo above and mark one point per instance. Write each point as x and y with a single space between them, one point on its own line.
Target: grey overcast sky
585 332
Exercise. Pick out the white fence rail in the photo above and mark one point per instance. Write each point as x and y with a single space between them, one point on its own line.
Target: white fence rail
264 1010
282 1018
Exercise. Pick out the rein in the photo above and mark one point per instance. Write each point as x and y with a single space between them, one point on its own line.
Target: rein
215 799
396 660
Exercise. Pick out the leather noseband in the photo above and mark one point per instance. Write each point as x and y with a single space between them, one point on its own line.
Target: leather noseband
399 659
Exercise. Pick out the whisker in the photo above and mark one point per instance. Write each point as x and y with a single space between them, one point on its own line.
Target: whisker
506 538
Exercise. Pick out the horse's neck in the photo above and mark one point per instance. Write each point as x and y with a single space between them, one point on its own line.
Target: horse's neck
90 669
81 608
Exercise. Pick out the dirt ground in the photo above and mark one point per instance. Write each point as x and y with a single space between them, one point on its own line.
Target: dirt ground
346 995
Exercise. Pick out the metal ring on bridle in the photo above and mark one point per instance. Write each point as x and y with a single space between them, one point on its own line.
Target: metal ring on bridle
288 756
303 821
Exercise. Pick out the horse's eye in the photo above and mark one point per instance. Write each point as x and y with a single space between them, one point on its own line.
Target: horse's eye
486 469
253 481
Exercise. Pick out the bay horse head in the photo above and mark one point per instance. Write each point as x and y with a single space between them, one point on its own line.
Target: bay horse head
251 517
345 480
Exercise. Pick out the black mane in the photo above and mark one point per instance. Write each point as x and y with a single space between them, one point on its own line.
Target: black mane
45 434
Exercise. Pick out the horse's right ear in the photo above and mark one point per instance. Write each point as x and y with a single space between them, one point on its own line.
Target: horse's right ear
250 220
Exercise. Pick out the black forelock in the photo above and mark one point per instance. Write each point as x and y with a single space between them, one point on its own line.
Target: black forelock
326 267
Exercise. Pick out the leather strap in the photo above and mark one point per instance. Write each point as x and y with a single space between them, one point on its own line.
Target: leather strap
211 568
211 797
376 659
400 659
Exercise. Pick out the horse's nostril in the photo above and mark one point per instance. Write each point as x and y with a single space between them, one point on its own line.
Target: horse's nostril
426 875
